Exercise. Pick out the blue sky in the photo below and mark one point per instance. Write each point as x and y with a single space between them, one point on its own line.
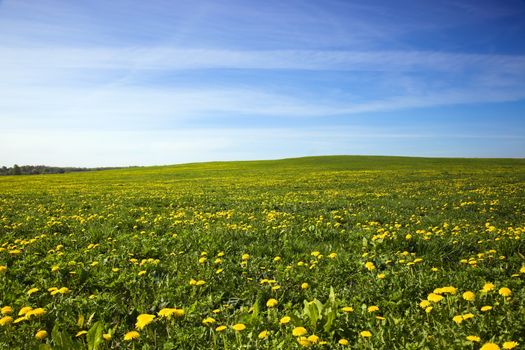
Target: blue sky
103 83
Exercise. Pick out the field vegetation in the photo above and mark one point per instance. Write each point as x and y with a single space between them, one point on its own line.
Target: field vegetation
321 252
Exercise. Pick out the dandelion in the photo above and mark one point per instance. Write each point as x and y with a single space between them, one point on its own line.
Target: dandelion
486 308
271 302
313 339
488 287
473 338
381 276
304 342
506 292
424 304
3 268
373 308
143 320
41 334
510 344
35 312
299 331
106 336
343 342
23 311
32 291
200 283
285 320
239 327
435 298
347 309
220 328
305 285
6 310
4 321
208 321
245 257
458 319
469 296
370 266
334 255
428 309
264 334
365 334
131 336
490 346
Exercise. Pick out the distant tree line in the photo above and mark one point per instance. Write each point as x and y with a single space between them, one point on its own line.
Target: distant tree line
43 169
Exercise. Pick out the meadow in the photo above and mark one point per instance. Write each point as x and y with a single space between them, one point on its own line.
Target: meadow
336 252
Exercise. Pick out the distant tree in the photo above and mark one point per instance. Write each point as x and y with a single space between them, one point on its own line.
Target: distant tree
16 170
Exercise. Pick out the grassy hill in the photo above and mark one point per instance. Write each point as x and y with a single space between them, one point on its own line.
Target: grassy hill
344 244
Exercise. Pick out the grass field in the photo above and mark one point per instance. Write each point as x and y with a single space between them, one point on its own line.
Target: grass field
321 252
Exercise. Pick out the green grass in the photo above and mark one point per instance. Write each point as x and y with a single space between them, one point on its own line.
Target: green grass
464 218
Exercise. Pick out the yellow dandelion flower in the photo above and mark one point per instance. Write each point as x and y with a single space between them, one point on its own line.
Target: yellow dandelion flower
143 320
435 298
24 310
208 320
20 319
131 336
4 321
264 334
299 331
285 320
490 346
365 334
304 342
200 283
468 316
313 339
6 310
3 268
332 255
458 319
469 296
506 292
305 285
486 308
373 308
35 312
239 327
370 266
271 302
245 257
106 336
347 309
41 334
277 258
220 328
32 291
510 344
473 338
343 342
424 304
488 287
428 309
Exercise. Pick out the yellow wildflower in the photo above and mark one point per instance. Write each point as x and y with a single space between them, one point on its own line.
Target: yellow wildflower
6 320
365 334
299 331
373 308
506 292
490 346
510 344
473 338
143 320
285 320
343 342
6 310
264 334
41 334
469 296
271 302
131 335
220 328
239 327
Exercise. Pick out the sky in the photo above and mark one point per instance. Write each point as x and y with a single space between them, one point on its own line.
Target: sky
118 83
